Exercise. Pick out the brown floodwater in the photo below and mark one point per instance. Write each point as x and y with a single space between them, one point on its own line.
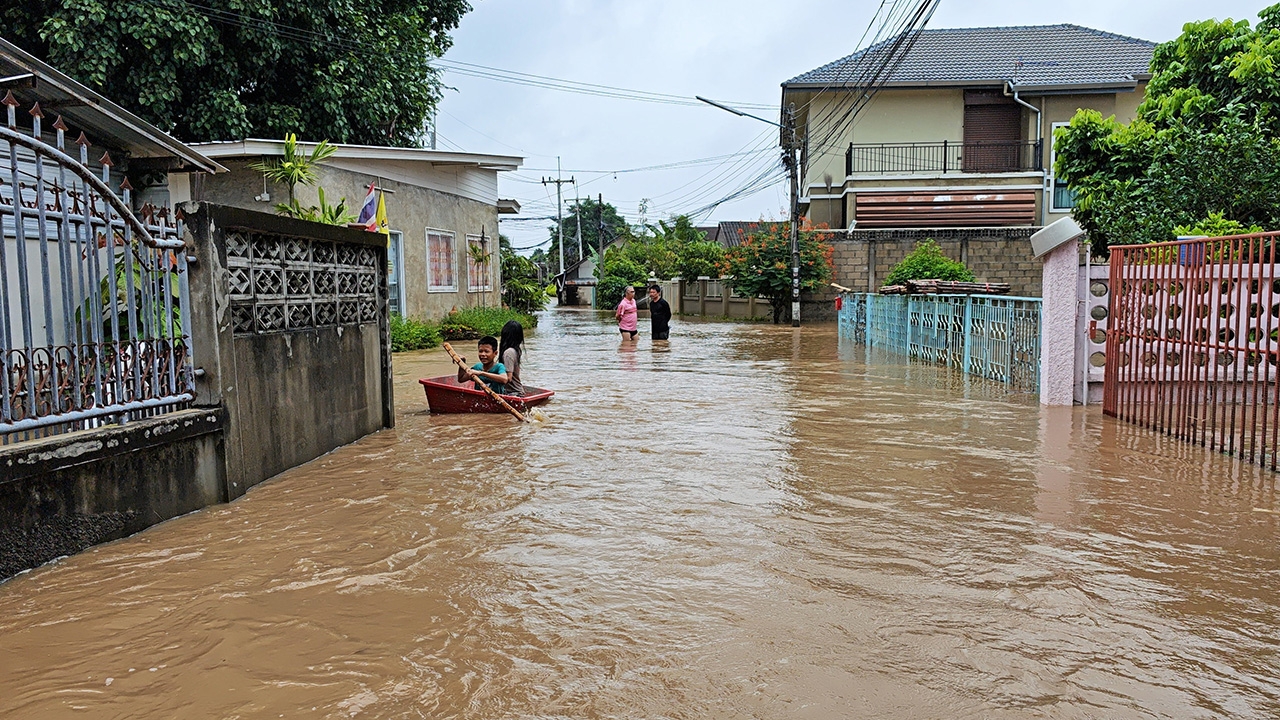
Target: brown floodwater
752 523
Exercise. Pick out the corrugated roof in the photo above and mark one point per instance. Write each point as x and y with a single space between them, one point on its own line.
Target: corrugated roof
731 233
103 121
1045 56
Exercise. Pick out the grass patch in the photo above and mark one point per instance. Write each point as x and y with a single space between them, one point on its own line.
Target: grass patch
469 324
476 322
411 334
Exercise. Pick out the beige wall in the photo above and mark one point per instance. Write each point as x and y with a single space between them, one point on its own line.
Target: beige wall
411 210
892 116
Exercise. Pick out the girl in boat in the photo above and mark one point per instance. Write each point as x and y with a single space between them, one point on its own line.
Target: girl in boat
510 350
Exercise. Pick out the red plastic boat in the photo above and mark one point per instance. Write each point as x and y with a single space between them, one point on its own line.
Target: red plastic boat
446 395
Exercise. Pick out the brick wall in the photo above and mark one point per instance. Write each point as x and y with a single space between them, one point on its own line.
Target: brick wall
863 258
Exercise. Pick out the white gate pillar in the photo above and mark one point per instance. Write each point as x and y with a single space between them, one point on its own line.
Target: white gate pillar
1057 245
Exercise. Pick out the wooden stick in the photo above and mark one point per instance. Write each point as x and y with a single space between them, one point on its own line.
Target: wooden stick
483 385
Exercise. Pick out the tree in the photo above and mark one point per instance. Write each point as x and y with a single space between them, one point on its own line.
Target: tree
700 258
521 289
1206 140
926 262
591 212
230 69
761 265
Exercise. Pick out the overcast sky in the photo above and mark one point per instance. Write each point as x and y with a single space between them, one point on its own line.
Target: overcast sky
730 50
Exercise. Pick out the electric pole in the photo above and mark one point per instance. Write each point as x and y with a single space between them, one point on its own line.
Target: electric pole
559 220
600 243
791 144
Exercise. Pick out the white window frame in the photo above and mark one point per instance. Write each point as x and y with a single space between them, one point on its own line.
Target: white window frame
399 269
488 266
1053 175
453 260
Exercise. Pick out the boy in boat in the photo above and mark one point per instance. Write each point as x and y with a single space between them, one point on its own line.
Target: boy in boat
488 370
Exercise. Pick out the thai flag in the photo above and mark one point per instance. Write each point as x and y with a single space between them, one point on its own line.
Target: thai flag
369 210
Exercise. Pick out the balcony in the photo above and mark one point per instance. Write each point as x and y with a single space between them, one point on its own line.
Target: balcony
943 157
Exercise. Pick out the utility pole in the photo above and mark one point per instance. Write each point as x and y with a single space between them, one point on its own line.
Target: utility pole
599 242
577 215
790 146
559 220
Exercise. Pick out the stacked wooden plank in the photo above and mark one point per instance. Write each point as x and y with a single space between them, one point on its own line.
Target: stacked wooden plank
944 209
945 287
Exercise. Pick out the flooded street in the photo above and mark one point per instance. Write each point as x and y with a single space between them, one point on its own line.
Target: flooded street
756 523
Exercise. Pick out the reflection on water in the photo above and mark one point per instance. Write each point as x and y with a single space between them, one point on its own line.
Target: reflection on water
750 522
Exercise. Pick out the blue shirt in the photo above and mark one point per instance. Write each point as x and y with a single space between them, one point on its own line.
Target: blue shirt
496 369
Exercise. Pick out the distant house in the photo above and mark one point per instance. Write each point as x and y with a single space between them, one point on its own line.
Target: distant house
577 284
960 134
442 208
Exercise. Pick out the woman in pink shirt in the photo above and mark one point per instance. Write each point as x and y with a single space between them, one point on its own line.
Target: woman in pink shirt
627 315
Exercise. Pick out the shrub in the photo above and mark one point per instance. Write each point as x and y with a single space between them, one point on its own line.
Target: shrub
1217 225
476 322
520 288
700 259
927 262
410 334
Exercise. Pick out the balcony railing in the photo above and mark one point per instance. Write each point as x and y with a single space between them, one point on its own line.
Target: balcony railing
943 157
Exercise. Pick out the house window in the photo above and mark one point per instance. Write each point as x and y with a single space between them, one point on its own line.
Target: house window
1063 197
478 264
395 272
440 262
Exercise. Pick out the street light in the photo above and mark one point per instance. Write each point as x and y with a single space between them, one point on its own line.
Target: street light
789 144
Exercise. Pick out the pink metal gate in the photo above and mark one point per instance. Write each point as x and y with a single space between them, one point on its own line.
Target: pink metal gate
1192 342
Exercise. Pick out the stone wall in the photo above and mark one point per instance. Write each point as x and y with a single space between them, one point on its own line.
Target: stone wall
863 258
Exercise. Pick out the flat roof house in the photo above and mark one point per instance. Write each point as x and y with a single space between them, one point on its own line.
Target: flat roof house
960 133
442 208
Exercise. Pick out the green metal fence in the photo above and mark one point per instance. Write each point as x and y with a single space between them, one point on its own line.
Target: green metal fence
990 336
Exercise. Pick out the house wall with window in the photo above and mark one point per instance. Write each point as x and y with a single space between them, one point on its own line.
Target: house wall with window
443 218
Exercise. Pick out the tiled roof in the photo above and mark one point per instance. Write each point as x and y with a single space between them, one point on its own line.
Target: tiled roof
731 233
1029 56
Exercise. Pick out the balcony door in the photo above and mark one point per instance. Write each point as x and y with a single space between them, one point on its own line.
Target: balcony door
992 132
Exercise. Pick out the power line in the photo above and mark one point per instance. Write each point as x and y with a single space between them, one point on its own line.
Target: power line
455 66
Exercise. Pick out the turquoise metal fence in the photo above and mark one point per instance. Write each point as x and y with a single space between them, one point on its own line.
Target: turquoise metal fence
990 336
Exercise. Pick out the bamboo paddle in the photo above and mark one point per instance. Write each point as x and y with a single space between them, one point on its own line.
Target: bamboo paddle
483 385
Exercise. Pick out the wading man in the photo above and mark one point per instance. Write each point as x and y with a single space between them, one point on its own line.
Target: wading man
659 313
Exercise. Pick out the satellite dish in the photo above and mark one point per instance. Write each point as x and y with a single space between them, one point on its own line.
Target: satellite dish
1054 235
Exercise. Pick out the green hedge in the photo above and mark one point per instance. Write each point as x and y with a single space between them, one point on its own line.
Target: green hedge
410 334
468 324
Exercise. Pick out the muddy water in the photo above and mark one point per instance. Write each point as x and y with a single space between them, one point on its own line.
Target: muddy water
755 523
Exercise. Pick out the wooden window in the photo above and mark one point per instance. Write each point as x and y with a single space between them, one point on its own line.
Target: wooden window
992 131
478 279
440 262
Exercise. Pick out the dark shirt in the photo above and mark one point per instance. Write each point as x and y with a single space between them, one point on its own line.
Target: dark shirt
660 314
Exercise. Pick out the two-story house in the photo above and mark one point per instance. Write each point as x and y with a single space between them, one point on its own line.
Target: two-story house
958 132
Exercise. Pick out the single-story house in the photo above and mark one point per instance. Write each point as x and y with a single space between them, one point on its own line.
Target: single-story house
442 209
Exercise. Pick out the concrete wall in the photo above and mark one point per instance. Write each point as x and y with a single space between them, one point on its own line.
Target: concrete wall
412 210
290 395
63 494
863 258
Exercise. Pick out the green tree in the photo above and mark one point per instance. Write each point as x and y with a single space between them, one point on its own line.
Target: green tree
761 265
700 258
1206 140
926 262
593 214
229 69
521 289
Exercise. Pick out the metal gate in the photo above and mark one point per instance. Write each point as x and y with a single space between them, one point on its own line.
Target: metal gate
1192 342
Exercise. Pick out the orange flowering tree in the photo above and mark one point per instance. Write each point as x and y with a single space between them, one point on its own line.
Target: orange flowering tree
760 265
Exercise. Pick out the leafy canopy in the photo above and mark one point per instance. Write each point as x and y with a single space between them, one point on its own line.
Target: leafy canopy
594 215
926 262
761 265
521 289
354 72
1205 142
